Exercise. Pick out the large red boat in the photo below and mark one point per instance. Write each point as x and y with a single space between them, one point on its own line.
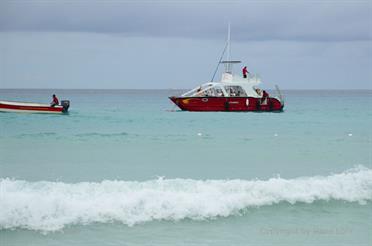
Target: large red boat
9 106
232 93
227 96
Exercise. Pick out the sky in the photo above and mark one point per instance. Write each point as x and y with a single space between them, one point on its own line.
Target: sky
177 44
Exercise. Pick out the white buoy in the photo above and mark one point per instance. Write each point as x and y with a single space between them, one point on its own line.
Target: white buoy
199 134
350 134
276 134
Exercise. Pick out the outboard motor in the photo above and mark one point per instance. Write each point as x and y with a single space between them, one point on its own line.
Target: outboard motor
65 104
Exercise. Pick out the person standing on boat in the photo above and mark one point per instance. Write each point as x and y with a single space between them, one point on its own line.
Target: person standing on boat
265 95
54 101
245 72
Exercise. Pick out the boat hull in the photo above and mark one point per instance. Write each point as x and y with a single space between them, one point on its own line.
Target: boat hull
229 104
6 106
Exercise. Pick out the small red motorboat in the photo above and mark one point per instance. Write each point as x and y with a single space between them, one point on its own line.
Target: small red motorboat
232 93
9 106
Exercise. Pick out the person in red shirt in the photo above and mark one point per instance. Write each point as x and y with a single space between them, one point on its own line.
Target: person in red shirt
54 101
245 72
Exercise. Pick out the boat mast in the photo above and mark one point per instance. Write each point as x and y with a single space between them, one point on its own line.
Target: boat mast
227 46
228 65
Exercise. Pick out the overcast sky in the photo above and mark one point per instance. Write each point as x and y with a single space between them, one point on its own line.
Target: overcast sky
176 44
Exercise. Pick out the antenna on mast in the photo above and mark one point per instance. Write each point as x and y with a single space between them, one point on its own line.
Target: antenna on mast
228 63
228 42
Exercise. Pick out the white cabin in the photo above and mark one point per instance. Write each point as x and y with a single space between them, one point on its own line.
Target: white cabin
229 86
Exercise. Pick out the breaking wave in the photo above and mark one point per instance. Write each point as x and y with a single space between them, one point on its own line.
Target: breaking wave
50 206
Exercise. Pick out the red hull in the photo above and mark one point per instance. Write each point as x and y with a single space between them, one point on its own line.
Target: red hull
227 104
7 107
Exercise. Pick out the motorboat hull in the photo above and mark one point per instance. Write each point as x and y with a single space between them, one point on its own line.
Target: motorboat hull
24 107
270 104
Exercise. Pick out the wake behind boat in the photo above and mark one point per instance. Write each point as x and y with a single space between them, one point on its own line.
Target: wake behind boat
10 106
232 93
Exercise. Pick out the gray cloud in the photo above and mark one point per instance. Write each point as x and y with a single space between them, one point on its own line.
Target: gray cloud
251 20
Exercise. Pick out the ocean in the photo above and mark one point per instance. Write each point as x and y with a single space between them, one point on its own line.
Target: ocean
126 167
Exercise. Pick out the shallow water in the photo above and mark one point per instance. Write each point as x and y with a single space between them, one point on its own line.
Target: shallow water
125 166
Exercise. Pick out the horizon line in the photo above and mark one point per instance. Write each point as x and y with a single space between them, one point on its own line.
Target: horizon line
138 89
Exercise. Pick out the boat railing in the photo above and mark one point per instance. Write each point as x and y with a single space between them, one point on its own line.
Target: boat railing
280 96
254 78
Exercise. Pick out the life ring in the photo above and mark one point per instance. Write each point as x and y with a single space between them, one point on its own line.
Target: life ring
205 99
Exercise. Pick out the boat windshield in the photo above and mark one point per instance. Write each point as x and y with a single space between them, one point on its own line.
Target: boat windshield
213 92
235 91
208 90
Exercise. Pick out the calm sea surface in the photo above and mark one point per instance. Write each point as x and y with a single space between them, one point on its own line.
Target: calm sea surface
125 167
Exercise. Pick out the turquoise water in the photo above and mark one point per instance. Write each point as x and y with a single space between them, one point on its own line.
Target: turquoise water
126 167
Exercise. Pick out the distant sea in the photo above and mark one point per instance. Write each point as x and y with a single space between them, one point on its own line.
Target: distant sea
126 167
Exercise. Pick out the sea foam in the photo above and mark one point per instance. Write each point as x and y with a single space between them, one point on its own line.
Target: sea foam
50 206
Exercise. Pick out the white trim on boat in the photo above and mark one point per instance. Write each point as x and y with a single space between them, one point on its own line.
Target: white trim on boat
29 111
27 104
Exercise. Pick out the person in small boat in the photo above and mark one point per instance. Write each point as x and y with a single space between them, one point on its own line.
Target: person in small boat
55 101
245 72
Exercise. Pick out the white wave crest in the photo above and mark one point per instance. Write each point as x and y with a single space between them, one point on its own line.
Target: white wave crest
50 206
